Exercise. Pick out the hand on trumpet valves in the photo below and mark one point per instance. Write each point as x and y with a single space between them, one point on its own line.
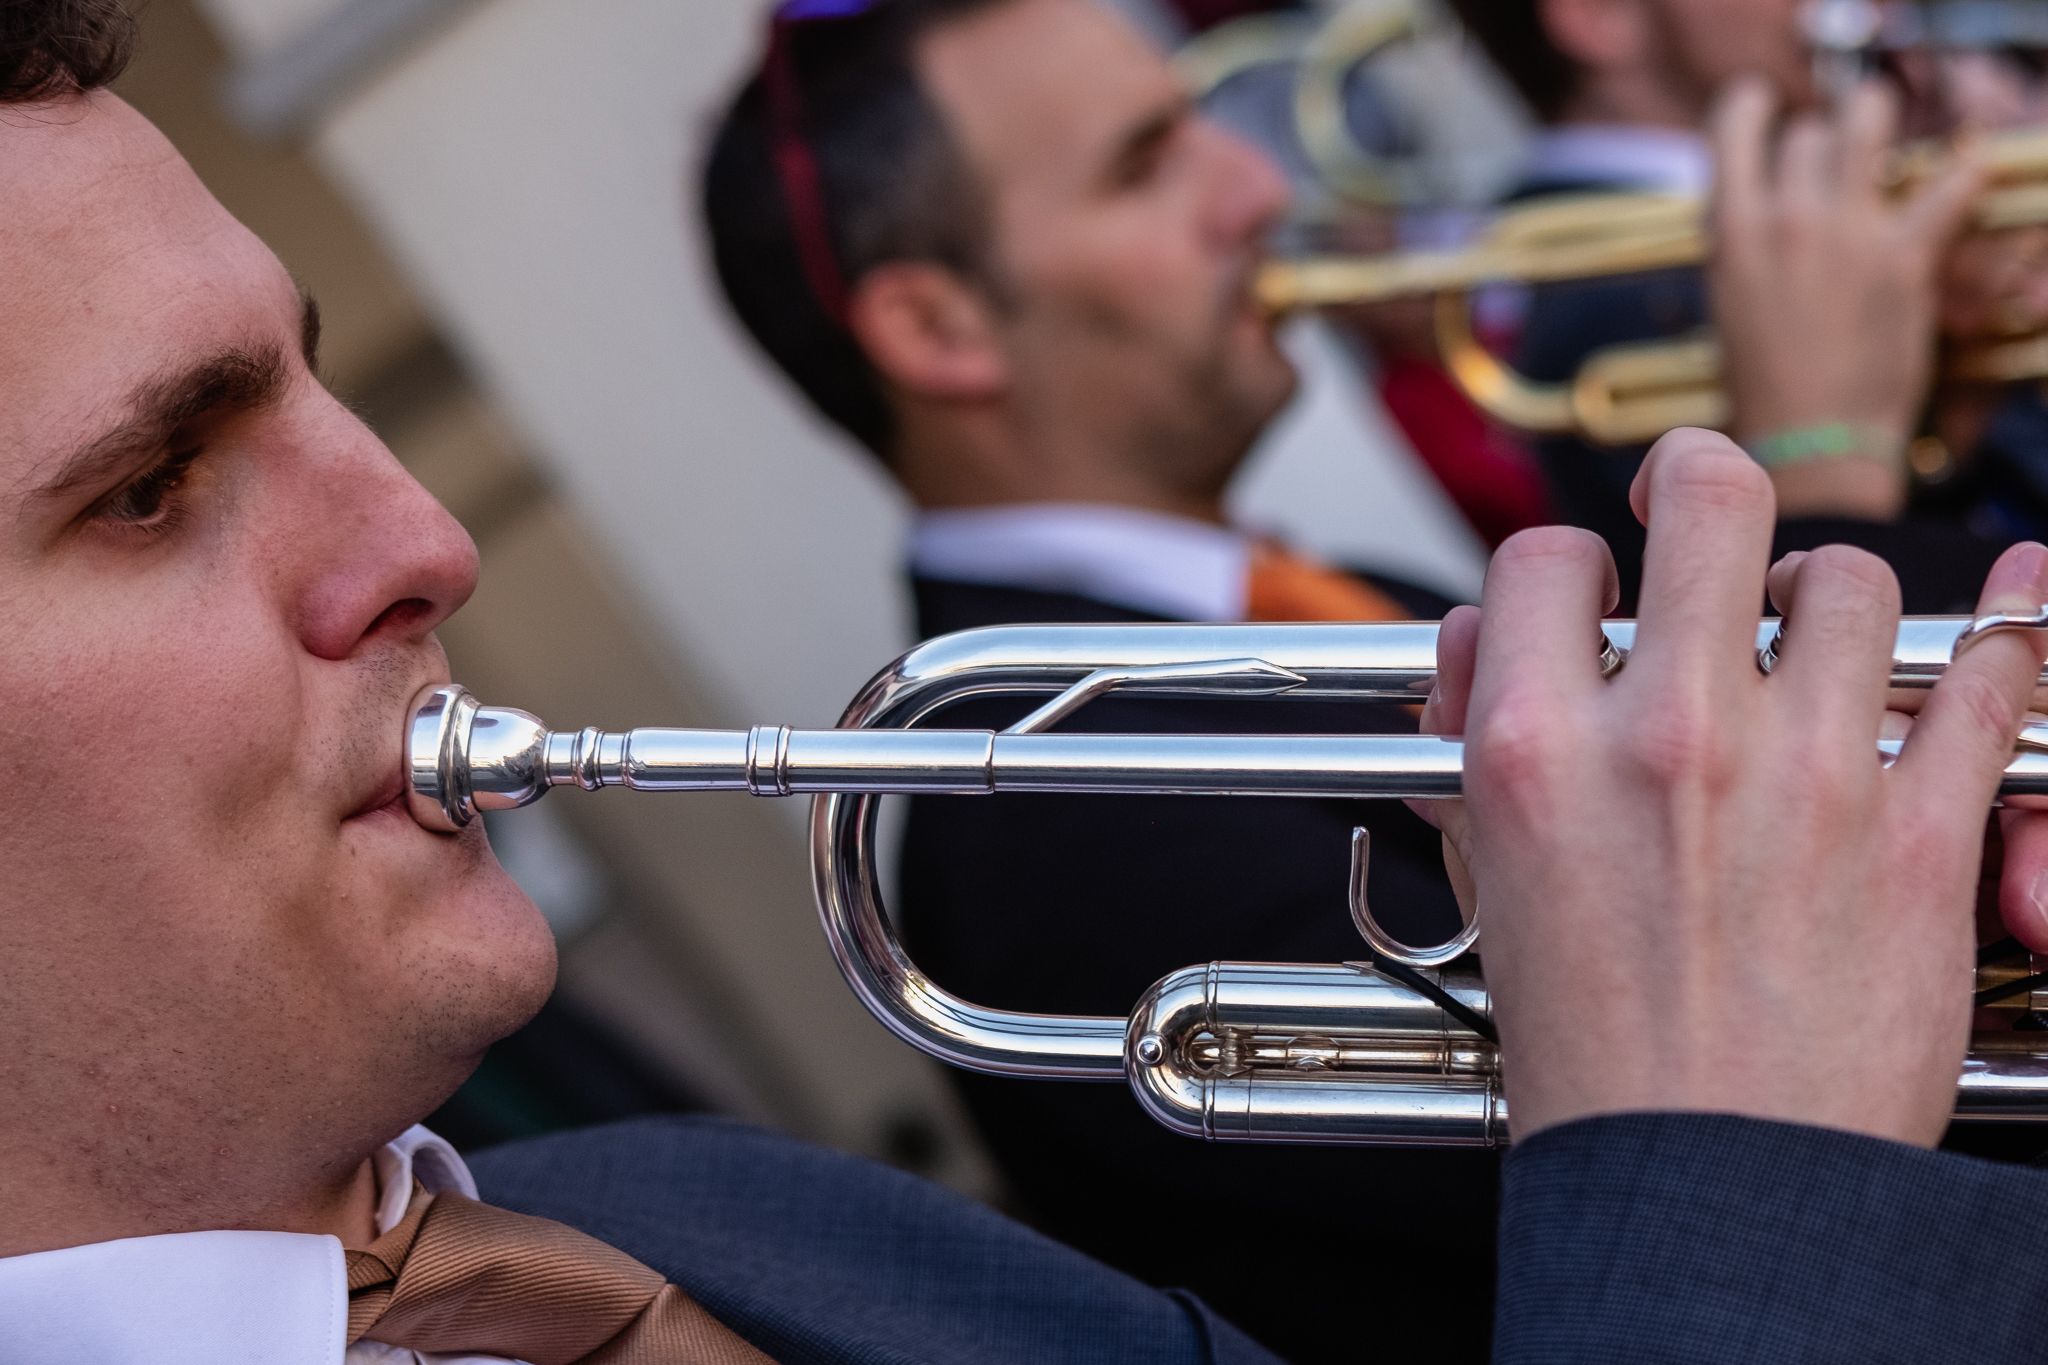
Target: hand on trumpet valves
1698 891
1825 286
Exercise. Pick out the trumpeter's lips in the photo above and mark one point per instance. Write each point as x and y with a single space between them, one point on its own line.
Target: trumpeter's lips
388 796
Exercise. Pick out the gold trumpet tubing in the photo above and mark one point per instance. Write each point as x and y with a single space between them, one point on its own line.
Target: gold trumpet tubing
1631 395
2011 159
2011 207
1598 236
1999 362
1322 101
1626 395
1584 237
1324 56
1230 50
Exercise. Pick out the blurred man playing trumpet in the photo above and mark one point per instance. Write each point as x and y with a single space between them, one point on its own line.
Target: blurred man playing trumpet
993 242
1827 289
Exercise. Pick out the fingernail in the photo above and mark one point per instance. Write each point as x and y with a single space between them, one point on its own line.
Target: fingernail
2029 564
2037 894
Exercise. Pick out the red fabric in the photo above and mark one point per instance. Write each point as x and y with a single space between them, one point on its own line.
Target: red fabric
1489 475
803 181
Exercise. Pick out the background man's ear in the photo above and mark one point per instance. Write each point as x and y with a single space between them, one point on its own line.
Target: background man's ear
928 331
1599 33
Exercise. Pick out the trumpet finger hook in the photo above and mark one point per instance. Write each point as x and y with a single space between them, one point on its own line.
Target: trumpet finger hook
1385 944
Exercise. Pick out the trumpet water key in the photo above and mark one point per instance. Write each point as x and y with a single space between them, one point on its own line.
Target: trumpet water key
1394 1049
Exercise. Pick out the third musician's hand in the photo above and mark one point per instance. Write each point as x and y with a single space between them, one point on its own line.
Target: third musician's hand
1825 289
1699 888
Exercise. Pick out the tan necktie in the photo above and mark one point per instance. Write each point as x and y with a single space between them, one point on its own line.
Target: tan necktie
1284 586
457 1276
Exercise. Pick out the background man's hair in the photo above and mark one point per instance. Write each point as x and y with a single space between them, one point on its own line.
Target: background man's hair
52 48
896 187
1514 36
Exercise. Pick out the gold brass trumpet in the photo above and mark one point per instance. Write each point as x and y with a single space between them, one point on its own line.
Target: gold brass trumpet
1395 1049
1628 395
1324 54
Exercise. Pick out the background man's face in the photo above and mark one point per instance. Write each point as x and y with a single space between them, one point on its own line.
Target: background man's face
217 592
1705 44
1126 230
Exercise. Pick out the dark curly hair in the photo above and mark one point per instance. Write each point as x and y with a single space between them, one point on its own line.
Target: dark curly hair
52 48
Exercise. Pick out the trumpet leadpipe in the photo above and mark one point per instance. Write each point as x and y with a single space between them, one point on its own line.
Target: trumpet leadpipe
508 760
463 758
467 759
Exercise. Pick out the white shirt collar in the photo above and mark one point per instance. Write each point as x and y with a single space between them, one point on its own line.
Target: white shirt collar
420 1155
209 1298
1670 160
1162 565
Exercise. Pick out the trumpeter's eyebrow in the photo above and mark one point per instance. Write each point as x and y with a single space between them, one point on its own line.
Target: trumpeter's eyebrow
236 379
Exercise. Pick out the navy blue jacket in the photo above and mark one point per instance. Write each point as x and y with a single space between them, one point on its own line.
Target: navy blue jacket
1646 1239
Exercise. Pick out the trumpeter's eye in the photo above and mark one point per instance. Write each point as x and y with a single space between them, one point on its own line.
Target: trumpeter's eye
150 501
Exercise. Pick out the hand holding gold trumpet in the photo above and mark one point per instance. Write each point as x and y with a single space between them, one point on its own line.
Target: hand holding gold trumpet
1628 395
1826 290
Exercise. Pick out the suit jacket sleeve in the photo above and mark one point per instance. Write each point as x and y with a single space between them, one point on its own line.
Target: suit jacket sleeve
1651 1239
819 1258
1661 1239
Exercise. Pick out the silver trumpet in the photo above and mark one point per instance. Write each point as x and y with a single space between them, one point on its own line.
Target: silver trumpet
1392 1050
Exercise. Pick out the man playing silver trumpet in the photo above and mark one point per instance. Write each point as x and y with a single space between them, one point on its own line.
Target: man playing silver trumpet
236 973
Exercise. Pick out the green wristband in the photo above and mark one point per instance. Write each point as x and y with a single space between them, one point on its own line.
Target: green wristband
1822 441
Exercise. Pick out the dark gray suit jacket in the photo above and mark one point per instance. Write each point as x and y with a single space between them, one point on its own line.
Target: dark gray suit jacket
1646 1239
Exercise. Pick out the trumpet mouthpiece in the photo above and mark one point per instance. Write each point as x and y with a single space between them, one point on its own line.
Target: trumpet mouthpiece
1277 289
461 758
